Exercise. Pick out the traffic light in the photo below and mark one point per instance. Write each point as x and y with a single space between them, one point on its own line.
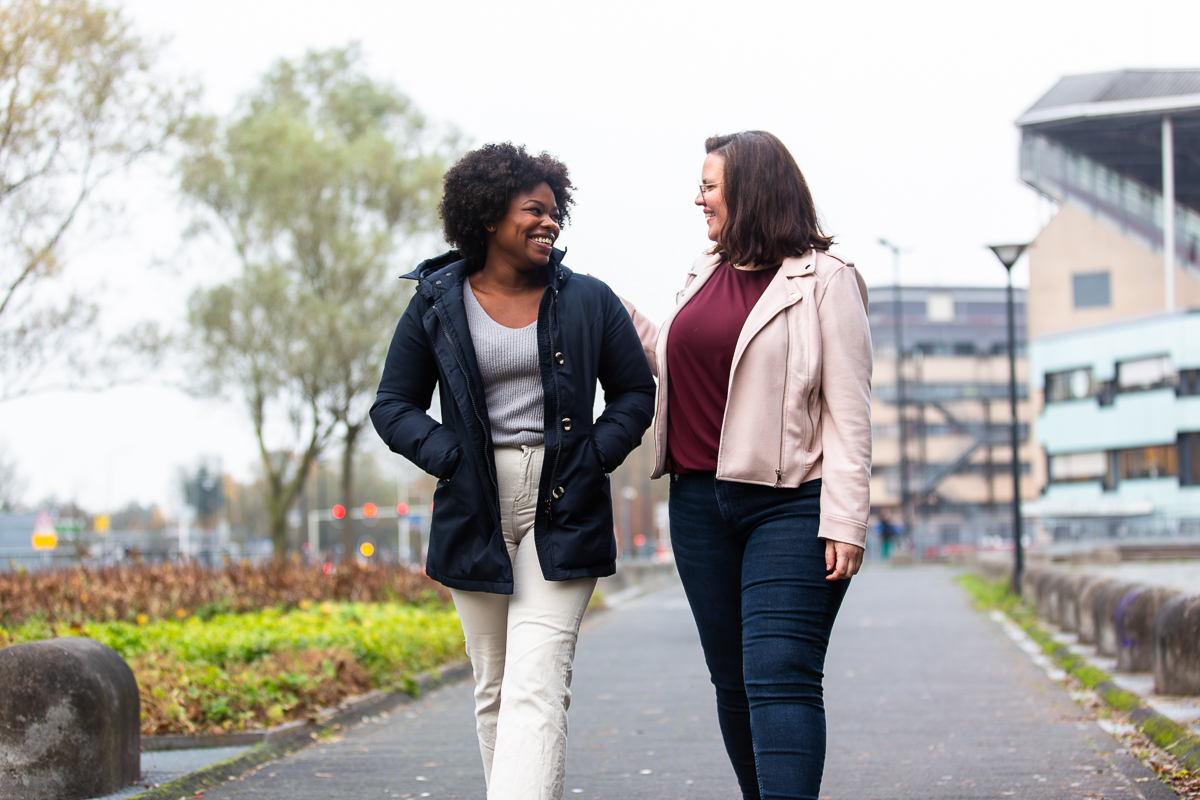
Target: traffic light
339 511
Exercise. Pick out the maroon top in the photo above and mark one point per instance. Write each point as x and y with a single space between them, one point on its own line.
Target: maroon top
700 349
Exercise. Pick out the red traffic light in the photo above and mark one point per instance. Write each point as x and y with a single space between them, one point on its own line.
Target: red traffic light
370 510
402 509
639 540
339 511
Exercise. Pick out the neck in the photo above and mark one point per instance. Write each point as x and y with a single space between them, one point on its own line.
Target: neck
501 276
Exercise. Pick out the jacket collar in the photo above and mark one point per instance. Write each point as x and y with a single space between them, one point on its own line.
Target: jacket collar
791 267
434 276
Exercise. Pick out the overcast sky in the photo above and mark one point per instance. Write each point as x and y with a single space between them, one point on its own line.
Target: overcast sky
899 114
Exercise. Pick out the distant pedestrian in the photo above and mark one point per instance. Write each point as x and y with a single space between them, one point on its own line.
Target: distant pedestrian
522 516
888 533
763 422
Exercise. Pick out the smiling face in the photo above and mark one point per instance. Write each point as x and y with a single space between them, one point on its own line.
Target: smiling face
523 237
713 200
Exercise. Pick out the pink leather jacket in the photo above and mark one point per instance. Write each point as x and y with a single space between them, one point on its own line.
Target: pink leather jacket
799 405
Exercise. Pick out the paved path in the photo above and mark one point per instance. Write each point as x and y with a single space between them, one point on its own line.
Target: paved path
927 699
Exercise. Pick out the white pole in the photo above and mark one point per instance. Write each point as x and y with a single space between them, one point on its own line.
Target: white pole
1168 180
314 532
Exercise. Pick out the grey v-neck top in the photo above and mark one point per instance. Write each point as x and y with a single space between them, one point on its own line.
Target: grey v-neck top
512 379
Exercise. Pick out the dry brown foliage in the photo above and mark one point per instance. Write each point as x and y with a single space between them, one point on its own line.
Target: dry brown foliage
162 590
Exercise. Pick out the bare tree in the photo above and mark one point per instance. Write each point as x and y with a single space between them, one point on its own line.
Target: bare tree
313 182
80 101
12 485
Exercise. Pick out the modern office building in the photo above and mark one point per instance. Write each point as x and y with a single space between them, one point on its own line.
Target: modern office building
1114 346
956 412
1121 428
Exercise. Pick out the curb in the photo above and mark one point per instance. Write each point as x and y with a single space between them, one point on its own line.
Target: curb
1169 735
293 737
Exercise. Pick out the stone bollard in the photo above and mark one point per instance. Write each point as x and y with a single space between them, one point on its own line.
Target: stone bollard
1134 624
69 721
1053 591
1041 589
1177 646
1029 584
1068 600
1105 609
1087 607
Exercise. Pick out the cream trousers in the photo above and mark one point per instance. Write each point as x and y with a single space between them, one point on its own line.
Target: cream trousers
521 648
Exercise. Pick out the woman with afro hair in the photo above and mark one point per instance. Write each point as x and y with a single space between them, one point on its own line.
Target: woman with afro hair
522 516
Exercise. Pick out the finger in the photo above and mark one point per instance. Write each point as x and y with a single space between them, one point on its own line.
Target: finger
830 554
839 571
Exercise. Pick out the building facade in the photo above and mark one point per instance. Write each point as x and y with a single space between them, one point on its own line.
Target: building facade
1121 428
1114 281
955 409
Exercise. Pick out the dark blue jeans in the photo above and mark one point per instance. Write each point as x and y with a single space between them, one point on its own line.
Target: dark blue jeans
754 572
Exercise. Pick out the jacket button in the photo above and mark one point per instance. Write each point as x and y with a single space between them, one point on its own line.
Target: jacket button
559 358
437 281
558 492
566 423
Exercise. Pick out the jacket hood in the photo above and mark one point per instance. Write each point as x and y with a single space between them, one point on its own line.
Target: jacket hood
436 275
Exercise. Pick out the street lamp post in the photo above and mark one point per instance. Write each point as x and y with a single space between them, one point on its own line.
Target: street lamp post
901 399
1008 255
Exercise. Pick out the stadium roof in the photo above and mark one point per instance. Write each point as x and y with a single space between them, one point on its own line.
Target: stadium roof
1109 94
1115 118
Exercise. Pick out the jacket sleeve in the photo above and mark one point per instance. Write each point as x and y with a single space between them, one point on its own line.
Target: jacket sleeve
628 386
845 408
405 394
647 331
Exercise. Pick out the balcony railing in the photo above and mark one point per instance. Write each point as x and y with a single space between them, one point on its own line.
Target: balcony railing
1131 207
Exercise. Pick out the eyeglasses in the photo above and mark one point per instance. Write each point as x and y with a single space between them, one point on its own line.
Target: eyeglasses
705 188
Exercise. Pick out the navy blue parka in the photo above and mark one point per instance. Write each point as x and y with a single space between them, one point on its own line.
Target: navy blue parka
584 334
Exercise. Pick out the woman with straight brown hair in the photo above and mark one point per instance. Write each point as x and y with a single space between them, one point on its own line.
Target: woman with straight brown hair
763 423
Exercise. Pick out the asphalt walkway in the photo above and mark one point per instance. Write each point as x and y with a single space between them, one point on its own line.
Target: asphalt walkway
926 697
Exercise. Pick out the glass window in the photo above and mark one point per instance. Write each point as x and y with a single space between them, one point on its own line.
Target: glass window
1189 382
1092 290
1189 459
1072 384
1145 373
1073 467
1160 461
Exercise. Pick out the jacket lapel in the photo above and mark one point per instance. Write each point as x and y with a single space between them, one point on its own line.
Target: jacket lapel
780 293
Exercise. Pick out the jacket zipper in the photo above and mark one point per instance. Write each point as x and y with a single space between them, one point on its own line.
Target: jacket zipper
557 408
787 379
474 406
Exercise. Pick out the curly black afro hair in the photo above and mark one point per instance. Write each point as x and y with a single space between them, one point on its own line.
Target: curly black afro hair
479 186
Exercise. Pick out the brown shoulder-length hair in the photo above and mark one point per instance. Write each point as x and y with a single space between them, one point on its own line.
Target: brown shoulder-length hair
769 212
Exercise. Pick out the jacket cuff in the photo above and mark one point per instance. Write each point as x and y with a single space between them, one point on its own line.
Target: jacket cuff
843 530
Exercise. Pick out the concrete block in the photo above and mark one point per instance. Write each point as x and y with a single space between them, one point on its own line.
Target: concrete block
1029 577
1068 600
1177 646
1042 590
1105 610
1050 602
1134 623
1087 606
69 721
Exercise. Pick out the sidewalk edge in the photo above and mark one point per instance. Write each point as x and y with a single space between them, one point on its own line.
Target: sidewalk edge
1172 737
218 774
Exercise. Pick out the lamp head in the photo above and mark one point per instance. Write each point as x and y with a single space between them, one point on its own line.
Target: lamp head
1008 253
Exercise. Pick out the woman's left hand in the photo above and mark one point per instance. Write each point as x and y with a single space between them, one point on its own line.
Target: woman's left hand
844 559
